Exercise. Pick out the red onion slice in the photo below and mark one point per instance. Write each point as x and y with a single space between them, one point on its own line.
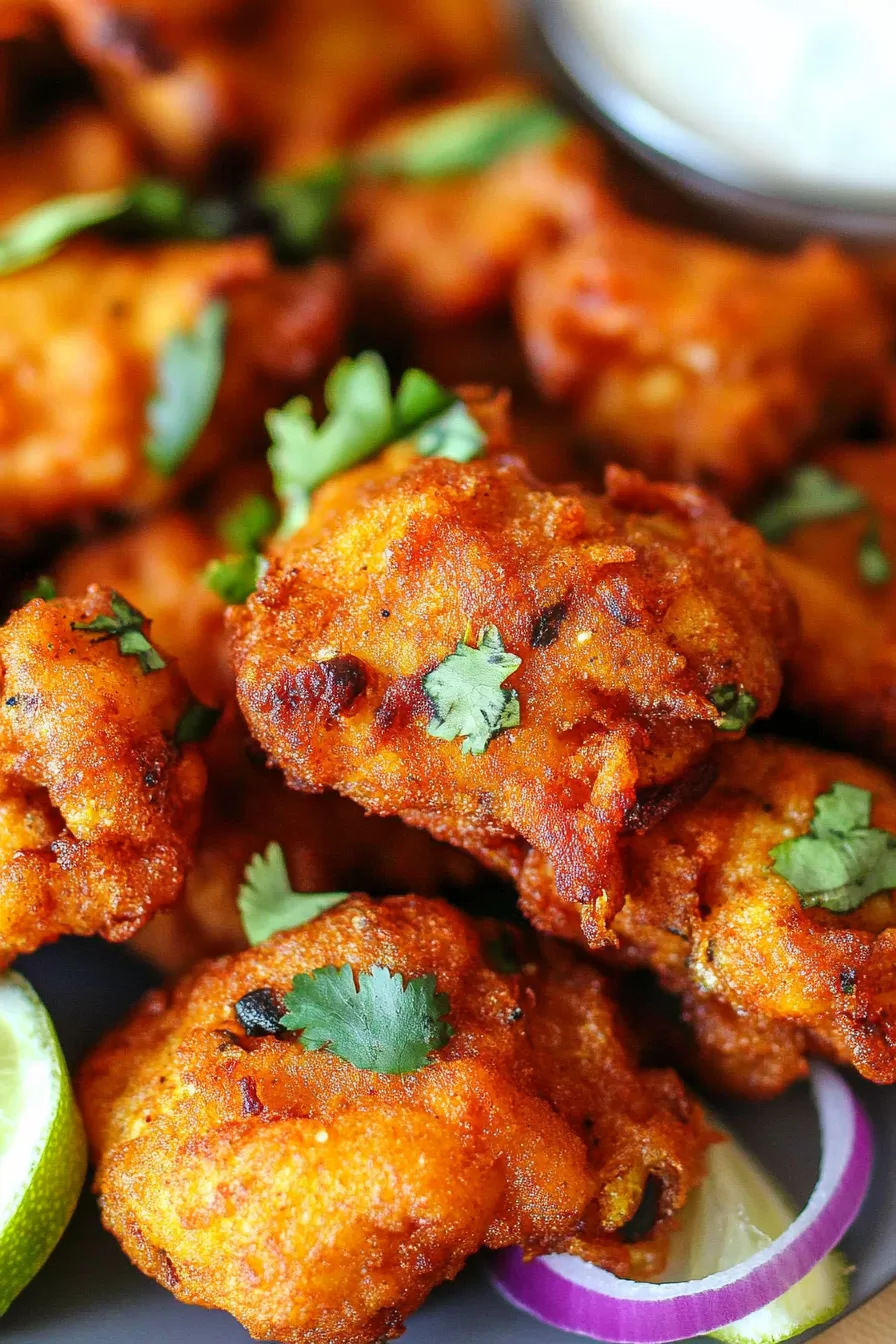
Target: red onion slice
565 1292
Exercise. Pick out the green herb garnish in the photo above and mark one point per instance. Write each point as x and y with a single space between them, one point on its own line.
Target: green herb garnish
248 525
453 434
302 207
736 707
382 1023
812 495
843 859
196 723
188 373
35 235
464 139
467 694
245 529
363 418
267 902
236 578
125 625
874 563
43 586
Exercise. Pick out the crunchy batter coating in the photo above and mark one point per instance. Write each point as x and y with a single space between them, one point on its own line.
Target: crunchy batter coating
627 611
449 249
697 360
841 675
320 1203
78 348
764 980
100 808
328 842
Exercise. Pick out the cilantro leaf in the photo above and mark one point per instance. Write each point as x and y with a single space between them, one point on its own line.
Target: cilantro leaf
453 434
302 207
267 902
196 722
811 495
382 1023
235 578
736 707
43 586
842 860
467 695
875 566
35 235
248 525
188 373
362 419
465 139
125 625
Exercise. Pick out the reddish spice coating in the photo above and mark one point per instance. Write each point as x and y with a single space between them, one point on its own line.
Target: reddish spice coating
320 1203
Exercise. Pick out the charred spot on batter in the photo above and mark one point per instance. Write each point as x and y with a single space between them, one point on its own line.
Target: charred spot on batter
251 1104
643 1220
656 801
546 626
333 686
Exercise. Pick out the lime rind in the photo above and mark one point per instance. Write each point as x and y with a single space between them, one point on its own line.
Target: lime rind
43 1157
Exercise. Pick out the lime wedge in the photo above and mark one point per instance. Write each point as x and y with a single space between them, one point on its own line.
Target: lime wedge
43 1153
738 1210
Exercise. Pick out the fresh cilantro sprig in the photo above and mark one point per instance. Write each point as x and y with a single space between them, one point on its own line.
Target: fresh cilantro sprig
363 418
301 207
267 902
464 139
188 374
381 1023
843 859
43 586
196 723
125 626
814 495
467 694
737 708
34 236
245 529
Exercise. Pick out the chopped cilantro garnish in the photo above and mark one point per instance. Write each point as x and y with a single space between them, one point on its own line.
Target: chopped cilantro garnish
267 902
125 625
188 374
875 566
382 1023
235 578
362 419
43 586
467 694
465 139
736 707
453 434
811 495
245 528
843 859
38 233
249 524
196 722
302 207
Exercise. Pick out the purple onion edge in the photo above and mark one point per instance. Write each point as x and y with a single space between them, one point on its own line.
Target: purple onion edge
535 1288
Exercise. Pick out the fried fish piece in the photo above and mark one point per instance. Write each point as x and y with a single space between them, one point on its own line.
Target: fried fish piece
81 338
448 249
328 843
697 360
765 979
841 673
317 1201
625 612
100 805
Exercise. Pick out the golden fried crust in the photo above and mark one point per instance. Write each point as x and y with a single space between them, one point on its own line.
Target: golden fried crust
320 1203
450 249
657 597
100 808
81 336
841 674
706 912
81 150
696 360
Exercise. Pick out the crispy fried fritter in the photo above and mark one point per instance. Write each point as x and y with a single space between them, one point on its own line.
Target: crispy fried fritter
627 610
451 248
100 808
80 338
841 675
699 361
320 1203
764 980
328 842
291 79
82 150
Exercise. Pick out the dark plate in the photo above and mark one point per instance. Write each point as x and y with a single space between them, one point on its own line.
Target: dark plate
88 1293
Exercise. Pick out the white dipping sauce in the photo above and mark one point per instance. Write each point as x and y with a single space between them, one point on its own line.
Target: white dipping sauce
804 90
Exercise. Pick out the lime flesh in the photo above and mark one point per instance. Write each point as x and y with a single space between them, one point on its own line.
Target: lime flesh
43 1154
736 1212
